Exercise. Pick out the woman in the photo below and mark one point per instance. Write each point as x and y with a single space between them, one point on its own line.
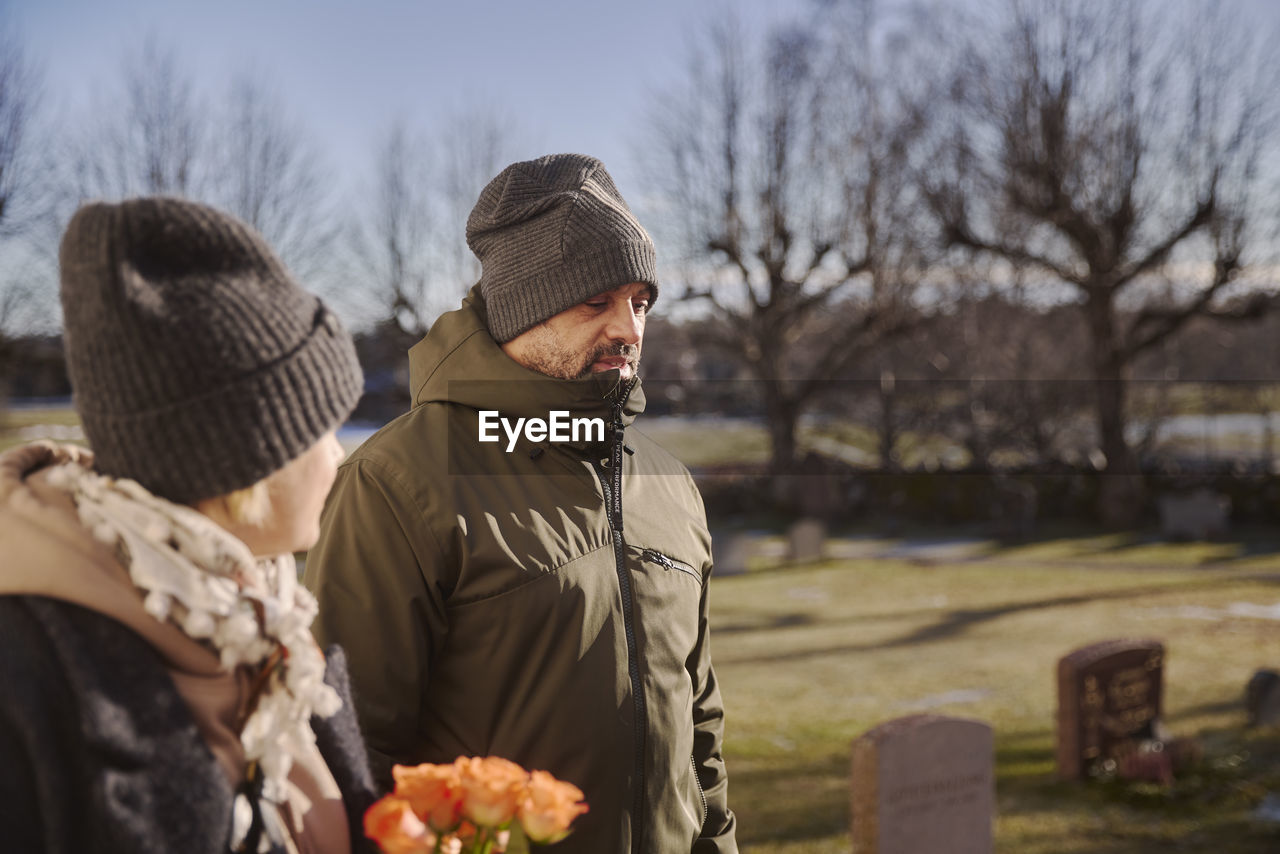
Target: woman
160 690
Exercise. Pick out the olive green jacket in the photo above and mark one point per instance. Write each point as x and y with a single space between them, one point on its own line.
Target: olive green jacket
498 603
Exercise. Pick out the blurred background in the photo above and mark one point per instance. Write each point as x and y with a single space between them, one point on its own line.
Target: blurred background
989 285
1031 241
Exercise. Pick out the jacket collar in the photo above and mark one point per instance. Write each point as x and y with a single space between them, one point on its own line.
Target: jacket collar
459 362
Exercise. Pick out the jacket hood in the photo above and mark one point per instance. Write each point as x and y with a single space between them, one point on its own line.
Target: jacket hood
459 362
48 552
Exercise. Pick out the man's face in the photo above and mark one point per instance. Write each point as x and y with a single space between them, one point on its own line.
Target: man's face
599 334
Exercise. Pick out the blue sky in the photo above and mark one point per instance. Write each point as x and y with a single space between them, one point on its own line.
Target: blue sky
574 75
577 75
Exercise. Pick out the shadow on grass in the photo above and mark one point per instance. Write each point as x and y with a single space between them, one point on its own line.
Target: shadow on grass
776 621
1251 541
1236 835
947 627
1249 547
1255 546
1216 708
1026 754
790 800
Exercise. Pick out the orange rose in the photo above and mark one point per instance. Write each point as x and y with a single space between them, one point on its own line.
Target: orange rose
548 807
435 791
493 788
392 824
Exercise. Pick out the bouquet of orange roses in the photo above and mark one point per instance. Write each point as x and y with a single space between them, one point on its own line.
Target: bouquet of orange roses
475 805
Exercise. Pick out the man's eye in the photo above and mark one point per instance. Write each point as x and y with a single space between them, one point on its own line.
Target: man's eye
641 305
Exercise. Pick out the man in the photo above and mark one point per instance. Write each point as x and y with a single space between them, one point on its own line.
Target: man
513 569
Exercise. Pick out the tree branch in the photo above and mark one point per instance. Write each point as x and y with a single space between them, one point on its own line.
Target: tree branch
1168 321
1203 213
959 234
733 252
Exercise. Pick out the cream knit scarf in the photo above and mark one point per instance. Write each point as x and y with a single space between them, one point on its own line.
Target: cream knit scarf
205 581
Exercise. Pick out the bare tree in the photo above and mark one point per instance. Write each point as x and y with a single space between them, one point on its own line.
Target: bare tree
786 173
19 97
394 239
412 238
156 133
1114 147
267 173
1012 367
473 146
151 136
21 200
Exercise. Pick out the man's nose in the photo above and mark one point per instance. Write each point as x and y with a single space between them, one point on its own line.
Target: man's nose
624 323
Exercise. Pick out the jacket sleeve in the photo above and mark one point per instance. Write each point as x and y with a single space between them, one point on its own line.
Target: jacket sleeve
22 821
338 738
42 754
718 831
377 573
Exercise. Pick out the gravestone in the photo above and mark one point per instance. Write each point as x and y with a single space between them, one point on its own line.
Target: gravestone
1109 706
1262 698
924 784
1196 515
730 551
806 541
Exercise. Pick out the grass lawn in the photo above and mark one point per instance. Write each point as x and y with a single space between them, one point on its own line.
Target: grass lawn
809 658
19 426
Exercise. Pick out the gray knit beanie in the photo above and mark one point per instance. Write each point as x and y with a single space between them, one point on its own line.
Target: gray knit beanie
199 365
549 234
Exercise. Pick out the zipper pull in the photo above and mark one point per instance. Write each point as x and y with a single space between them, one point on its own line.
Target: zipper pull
658 558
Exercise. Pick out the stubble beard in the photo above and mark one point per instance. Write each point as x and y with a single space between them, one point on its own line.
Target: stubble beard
547 356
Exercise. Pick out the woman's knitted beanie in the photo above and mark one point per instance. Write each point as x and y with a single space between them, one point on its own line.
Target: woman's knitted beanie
199 365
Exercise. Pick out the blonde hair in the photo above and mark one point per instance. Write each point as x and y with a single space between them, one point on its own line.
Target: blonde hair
249 506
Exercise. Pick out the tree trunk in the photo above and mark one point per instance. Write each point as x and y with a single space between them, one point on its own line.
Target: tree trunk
1268 443
1120 490
888 421
781 414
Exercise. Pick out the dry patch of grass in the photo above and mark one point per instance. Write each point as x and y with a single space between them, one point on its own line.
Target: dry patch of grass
809 658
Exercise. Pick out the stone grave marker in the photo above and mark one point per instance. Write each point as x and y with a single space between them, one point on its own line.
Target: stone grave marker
1109 704
924 784
1262 698
806 541
730 550
1197 515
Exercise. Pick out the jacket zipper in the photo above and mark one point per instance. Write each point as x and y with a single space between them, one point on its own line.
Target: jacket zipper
702 795
667 563
611 484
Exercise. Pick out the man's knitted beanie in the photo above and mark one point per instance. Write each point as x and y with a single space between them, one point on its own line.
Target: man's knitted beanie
549 234
199 365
